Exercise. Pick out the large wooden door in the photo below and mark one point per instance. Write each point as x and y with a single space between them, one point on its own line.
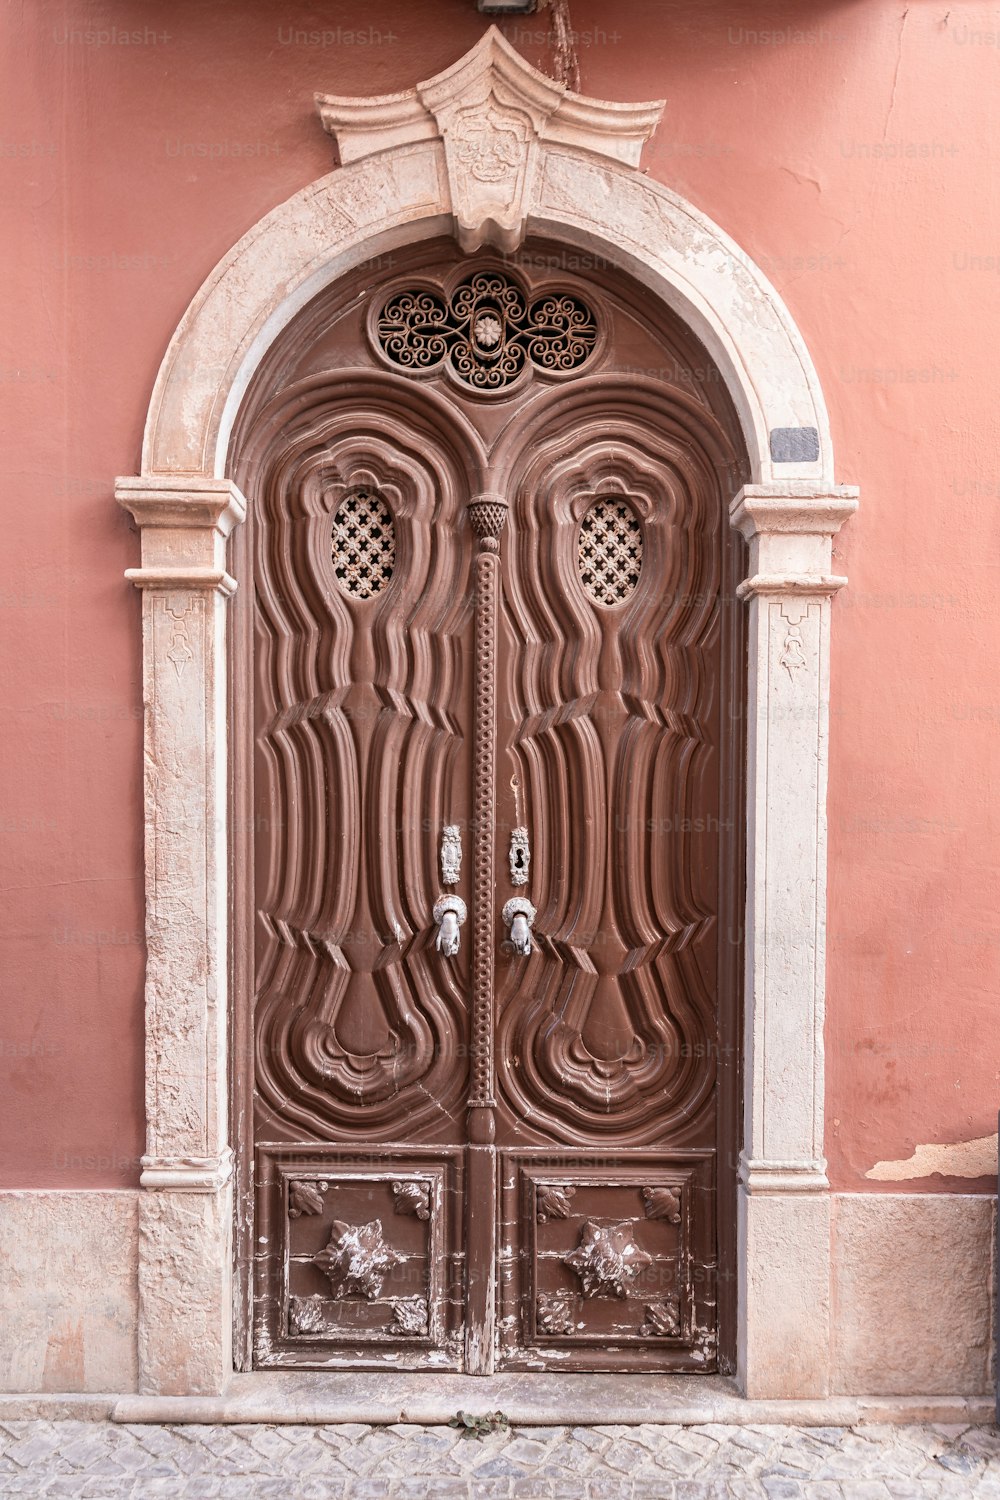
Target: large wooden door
495 934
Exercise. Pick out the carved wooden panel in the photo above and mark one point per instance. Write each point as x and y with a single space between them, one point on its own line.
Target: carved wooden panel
362 763
601 1270
608 1029
358 1261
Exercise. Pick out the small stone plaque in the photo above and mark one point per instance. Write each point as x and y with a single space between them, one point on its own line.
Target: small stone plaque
794 445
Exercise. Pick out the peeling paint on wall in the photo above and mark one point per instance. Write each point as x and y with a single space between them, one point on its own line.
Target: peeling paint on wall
976 1158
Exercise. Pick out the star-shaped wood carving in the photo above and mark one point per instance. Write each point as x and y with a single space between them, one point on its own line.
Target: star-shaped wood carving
357 1259
607 1259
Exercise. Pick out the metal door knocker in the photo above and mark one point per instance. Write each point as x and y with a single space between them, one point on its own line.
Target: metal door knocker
519 916
449 914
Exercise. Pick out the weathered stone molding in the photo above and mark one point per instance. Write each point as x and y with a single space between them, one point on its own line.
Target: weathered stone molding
187 1174
418 169
185 1316
784 1213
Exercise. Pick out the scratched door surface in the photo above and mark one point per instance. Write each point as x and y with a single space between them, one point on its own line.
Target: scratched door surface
494 860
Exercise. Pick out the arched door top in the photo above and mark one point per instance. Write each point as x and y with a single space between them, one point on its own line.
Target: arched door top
488 150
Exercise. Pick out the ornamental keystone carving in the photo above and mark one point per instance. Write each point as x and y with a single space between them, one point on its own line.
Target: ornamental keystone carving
607 1259
489 143
491 110
357 1260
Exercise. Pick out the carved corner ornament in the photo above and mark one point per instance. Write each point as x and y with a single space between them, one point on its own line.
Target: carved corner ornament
662 1319
662 1203
410 1315
307 1315
554 1313
492 112
305 1198
552 1201
413 1198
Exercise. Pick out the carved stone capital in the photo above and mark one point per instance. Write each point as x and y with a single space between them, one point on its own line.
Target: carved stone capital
184 523
792 507
181 502
790 528
492 110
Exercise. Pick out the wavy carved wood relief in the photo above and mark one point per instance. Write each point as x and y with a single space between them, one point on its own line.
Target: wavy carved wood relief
608 1029
362 761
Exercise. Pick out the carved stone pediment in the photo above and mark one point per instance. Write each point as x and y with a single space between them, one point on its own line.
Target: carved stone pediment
490 110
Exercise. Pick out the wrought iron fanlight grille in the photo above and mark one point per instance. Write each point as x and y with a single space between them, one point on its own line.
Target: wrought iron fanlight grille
488 330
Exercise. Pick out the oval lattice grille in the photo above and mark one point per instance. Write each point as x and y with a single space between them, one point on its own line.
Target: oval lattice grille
364 544
488 330
609 551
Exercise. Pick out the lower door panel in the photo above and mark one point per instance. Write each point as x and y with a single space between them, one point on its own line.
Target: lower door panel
358 1259
607 1262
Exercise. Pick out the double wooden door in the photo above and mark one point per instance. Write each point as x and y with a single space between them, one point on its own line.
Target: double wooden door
491 823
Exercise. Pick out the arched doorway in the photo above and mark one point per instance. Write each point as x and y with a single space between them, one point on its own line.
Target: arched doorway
491 1015
412 173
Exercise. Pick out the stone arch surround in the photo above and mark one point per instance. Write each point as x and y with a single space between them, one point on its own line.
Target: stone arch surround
415 168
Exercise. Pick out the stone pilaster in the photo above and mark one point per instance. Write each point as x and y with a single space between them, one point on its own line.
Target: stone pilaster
185 1210
784 1213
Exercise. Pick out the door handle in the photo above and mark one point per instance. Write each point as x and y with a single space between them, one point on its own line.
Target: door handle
519 917
449 914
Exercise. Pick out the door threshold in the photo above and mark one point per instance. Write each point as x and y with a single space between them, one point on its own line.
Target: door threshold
529 1400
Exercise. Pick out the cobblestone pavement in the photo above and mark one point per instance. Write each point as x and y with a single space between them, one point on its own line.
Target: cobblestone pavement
101 1461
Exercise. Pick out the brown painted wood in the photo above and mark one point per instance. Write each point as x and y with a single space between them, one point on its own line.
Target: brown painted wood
486 1159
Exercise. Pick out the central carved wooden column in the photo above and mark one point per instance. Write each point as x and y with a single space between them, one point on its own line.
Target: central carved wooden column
487 514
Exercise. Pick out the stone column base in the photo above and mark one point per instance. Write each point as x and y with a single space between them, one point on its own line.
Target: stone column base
185 1291
784 1295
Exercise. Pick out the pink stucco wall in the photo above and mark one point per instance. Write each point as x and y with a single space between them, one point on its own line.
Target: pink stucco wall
850 149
